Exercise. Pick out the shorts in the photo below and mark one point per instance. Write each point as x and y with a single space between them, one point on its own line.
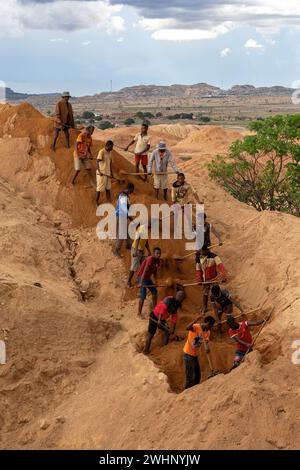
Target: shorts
136 260
80 163
206 289
152 327
143 289
228 309
141 159
160 181
103 183
239 355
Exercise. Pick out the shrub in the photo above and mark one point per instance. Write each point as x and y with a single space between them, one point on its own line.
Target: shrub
88 115
105 125
263 170
129 121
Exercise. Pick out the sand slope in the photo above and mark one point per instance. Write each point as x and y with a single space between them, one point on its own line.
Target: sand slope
73 345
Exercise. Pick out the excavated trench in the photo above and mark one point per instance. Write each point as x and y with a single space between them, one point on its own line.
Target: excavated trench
169 359
78 204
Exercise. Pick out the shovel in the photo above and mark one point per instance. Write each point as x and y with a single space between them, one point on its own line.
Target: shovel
165 328
212 372
268 317
112 177
182 258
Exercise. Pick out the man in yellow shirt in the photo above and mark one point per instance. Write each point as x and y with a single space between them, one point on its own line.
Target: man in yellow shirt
104 172
198 333
139 245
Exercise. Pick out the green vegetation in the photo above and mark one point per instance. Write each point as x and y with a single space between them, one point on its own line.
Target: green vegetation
204 119
181 116
88 115
263 170
129 121
105 125
144 115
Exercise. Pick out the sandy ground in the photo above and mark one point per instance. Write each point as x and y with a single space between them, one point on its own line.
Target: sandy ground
75 376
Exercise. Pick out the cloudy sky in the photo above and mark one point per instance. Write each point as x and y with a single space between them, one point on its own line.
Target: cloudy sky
51 45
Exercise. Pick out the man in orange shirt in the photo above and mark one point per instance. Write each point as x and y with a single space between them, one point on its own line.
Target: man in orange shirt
198 333
82 153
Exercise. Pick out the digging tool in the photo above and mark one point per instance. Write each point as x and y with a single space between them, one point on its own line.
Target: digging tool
173 284
241 314
182 258
212 372
200 283
165 328
123 150
112 177
141 174
258 333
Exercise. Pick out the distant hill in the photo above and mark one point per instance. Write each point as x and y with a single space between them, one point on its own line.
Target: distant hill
11 95
199 90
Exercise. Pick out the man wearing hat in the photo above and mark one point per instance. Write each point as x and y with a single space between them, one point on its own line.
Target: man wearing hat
160 158
64 118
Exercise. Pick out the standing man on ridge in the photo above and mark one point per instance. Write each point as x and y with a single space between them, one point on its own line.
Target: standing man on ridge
161 158
64 119
142 146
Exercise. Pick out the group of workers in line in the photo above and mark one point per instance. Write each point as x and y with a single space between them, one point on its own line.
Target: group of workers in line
208 265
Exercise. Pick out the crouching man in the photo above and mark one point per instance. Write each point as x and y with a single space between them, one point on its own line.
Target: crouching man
164 310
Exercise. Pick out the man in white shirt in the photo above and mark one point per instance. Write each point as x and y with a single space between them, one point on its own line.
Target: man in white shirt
160 159
142 146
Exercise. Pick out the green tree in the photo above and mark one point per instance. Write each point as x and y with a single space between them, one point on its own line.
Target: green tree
129 121
88 115
263 169
140 115
148 115
105 125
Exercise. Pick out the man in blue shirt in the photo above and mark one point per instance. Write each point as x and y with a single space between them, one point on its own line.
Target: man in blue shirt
122 217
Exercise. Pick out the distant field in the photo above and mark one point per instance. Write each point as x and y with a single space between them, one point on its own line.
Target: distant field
229 111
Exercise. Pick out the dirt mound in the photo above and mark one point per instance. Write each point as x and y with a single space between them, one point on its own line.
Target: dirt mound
171 133
208 140
52 338
74 340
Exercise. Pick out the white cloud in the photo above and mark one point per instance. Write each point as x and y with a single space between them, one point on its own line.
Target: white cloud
67 15
203 18
253 44
86 43
120 40
191 34
225 52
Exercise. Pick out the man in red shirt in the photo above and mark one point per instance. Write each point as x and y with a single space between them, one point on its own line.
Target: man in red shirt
208 267
167 308
241 334
147 277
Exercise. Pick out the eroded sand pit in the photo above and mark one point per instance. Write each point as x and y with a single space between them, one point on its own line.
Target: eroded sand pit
76 361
